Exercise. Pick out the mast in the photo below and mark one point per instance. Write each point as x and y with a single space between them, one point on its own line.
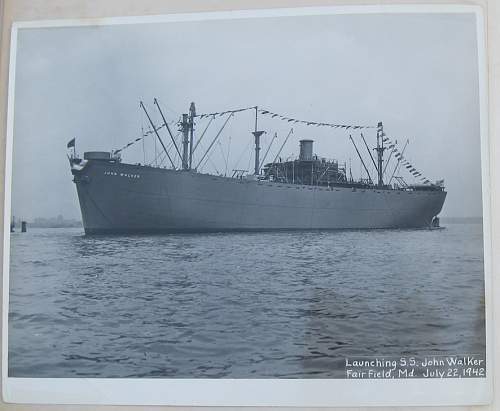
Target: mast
257 135
185 141
380 152
192 114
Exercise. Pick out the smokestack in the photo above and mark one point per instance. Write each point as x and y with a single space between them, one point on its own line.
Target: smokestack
306 150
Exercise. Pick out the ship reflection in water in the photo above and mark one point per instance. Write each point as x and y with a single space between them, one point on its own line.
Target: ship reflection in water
246 305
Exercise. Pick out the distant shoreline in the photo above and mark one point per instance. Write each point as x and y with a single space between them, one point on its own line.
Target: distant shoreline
79 224
49 222
444 220
54 226
462 220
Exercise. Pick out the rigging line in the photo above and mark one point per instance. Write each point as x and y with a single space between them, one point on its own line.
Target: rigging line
361 158
393 144
137 139
214 140
415 173
169 146
152 162
249 160
162 159
156 156
285 118
143 145
369 152
157 135
398 164
279 151
399 161
227 158
404 161
221 113
166 125
159 157
275 136
309 123
179 160
222 152
202 134
242 154
387 162
143 138
212 163
162 156
283 145
209 158
174 112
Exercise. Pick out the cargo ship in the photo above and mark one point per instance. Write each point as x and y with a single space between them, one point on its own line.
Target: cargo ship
304 193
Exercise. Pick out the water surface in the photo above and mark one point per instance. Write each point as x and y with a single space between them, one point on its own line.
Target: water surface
258 305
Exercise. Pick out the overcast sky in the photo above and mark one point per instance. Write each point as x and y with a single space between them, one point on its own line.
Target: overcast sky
416 73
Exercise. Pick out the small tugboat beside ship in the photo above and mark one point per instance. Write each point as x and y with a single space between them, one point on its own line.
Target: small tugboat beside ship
305 193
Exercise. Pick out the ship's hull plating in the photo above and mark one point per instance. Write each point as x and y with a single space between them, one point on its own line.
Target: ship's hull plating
120 198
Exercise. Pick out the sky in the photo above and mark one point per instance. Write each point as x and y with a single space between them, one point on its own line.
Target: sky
417 73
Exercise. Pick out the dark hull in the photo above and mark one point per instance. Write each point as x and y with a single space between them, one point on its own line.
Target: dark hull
118 198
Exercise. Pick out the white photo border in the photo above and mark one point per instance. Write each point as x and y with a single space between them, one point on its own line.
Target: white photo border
255 392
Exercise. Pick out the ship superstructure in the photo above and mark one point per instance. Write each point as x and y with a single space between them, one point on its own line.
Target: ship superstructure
308 192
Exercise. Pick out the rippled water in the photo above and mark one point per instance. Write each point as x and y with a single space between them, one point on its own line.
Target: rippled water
289 305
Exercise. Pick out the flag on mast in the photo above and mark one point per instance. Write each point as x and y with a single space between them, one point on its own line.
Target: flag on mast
71 143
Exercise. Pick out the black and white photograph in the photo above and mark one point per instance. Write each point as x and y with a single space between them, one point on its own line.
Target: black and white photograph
257 196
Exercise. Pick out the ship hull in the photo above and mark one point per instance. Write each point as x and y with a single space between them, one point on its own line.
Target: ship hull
124 198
